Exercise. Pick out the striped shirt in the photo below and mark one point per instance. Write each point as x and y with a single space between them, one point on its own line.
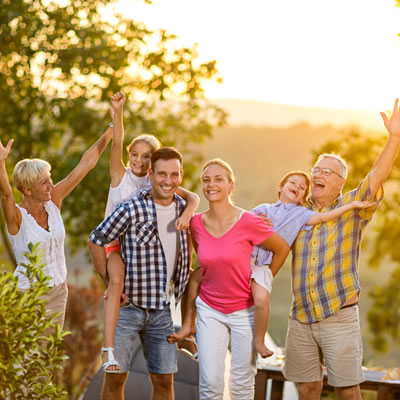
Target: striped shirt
135 223
325 259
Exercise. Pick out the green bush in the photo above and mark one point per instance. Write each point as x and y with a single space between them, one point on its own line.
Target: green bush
30 341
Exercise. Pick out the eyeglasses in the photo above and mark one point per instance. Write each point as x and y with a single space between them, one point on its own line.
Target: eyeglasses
324 171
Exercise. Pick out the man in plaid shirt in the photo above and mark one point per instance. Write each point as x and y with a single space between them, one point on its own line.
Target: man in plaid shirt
324 321
156 258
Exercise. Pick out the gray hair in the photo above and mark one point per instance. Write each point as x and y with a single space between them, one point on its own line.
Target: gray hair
339 159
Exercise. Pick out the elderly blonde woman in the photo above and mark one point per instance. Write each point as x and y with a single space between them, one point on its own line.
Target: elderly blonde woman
37 218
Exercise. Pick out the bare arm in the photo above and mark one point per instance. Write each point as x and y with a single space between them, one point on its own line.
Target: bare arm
192 203
11 213
280 248
320 217
117 167
384 163
87 163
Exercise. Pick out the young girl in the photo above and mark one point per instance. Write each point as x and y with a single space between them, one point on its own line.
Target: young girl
288 218
126 183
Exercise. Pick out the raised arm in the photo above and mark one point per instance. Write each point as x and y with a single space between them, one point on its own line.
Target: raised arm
87 163
280 248
11 213
384 163
320 217
117 167
192 203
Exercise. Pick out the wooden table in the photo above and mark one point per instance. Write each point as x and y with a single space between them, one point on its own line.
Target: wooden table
386 390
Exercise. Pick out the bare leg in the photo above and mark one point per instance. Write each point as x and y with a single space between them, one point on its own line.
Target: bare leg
261 316
348 393
113 386
99 260
163 386
189 309
310 390
116 273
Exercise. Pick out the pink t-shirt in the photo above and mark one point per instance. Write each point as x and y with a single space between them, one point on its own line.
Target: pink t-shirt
225 261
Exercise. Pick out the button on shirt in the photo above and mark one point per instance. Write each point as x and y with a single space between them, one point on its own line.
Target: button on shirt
135 223
325 259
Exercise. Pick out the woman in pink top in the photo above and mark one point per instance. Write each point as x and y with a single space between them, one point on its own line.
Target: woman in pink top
224 237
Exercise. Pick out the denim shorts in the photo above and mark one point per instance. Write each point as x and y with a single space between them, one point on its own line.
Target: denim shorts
153 328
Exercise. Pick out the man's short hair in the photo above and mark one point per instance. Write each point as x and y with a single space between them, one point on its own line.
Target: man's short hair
166 153
339 159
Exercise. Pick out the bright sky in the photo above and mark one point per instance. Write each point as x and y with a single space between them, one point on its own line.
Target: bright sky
342 54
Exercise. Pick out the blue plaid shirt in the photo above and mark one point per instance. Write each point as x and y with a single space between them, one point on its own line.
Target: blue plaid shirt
135 223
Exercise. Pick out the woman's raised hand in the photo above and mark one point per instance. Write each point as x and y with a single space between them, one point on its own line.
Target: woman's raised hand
5 150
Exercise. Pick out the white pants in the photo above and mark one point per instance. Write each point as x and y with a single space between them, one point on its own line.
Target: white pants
215 330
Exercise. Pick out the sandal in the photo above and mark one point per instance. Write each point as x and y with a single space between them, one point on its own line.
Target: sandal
186 352
111 361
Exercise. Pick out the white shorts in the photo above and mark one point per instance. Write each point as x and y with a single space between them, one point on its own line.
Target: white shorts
262 275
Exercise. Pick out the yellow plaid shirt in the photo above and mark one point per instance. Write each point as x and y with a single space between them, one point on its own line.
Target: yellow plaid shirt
325 259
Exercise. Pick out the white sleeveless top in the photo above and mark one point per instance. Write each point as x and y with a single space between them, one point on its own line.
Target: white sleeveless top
129 187
51 241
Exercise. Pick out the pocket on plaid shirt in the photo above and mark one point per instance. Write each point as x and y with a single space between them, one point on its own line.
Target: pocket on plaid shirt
146 233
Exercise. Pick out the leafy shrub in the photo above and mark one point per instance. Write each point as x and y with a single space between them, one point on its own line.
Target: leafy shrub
30 340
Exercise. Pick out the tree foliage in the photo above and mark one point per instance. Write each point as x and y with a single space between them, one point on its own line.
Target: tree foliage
361 152
30 342
60 62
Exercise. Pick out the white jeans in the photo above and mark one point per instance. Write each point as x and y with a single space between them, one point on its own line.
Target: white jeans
215 330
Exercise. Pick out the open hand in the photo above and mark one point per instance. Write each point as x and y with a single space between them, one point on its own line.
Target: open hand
363 204
267 220
393 124
4 151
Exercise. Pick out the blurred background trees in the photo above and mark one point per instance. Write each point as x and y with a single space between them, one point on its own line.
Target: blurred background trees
60 62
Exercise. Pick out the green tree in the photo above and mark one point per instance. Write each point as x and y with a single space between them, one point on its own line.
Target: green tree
29 354
361 151
60 62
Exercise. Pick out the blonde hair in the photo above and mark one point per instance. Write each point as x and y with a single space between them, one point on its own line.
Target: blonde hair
221 163
28 172
339 159
286 177
151 140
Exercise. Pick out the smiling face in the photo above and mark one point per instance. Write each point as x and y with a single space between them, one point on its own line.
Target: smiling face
294 190
326 188
216 183
41 191
139 158
165 180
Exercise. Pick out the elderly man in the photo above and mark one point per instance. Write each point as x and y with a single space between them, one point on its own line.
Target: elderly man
324 321
155 255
